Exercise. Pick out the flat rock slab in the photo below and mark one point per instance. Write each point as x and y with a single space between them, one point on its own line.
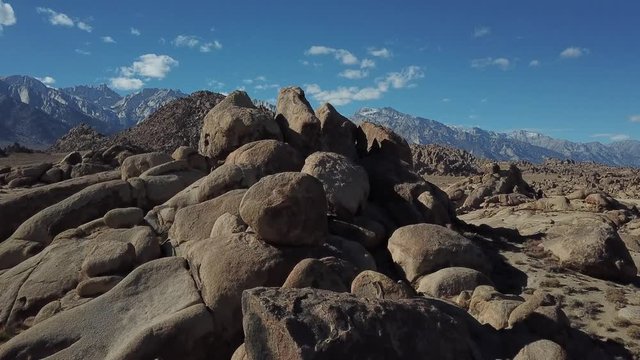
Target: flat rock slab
155 312
319 324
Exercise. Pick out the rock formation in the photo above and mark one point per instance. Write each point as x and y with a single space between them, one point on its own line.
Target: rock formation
295 235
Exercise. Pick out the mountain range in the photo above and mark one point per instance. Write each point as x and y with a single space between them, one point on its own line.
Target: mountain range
514 146
36 115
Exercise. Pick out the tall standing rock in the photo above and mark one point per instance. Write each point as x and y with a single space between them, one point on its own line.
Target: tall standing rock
233 123
382 140
299 124
339 134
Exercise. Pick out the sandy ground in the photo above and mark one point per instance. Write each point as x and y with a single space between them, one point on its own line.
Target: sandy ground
26 159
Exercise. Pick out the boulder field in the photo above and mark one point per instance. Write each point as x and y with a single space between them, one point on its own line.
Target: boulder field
289 235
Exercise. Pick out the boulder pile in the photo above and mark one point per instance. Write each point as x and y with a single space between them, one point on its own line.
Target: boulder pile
504 187
294 236
74 165
441 160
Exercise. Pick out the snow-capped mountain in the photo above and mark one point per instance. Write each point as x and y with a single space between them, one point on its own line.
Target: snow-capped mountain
34 105
61 106
100 95
134 108
24 124
518 145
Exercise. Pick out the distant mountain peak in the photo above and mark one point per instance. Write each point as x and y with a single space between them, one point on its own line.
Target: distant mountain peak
516 145
96 105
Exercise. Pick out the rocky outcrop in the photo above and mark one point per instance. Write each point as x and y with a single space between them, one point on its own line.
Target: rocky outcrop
14 210
479 191
382 140
594 248
297 323
435 159
156 311
234 122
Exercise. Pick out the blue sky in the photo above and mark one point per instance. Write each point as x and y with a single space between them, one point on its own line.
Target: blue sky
569 69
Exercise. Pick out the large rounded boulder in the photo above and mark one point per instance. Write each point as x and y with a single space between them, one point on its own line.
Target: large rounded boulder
345 183
135 165
267 157
451 281
232 123
593 247
421 249
287 209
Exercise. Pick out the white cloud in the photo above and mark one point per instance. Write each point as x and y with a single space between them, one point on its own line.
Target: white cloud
612 137
151 66
7 15
84 26
147 66
342 55
260 83
344 95
354 74
56 18
259 78
446 100
126 84
574 52
215 84
83 52
502 63
399 80
367 64
60 19
108 39
382 52
186 41
346 57
320 50
260 87
635 118
47 80
309 63
208 47
192 41
481 31
134 31
535 63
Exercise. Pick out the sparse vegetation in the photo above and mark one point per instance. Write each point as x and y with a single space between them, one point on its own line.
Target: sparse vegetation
533 249
550 283
621 323
634 332
616 296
